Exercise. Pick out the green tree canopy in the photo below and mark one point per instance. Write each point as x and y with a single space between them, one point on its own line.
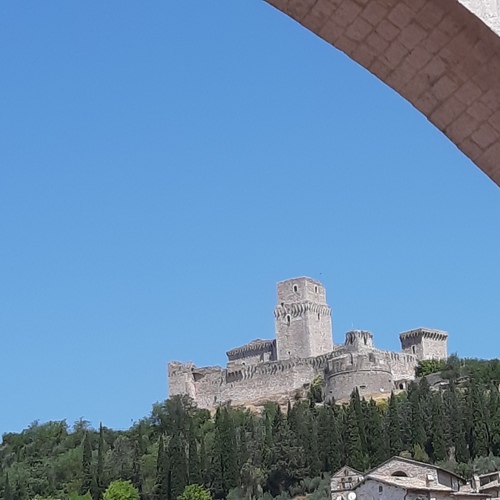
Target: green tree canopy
121 490
195 492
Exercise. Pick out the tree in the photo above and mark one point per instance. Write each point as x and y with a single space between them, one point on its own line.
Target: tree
328 440
417 429
177 472
224 463
287 459
437 430
7 491
98 483
87 477
194 472
121 490
162 473
195 492
375 435
394 427
479 425
455 423
353 448
138 451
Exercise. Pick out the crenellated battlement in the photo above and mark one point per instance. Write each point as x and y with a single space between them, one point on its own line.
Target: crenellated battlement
277 369
425 333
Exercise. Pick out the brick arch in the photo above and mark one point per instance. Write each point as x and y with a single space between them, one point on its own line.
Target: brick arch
437 54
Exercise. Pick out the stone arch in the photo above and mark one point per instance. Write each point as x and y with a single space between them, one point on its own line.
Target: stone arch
443 56
399 473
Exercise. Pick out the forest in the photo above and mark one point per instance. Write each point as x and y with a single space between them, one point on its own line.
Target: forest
278 453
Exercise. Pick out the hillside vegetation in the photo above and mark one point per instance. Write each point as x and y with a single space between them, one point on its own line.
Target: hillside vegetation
239 454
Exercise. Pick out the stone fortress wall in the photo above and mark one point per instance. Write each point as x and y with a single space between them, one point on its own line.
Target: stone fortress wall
275 370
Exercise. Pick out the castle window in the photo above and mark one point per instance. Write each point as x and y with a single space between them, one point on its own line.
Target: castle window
380 489
315 289
295 288
401 386
288 319
318 316
413 349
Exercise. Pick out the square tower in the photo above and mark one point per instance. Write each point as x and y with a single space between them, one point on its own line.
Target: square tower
425 343
303 319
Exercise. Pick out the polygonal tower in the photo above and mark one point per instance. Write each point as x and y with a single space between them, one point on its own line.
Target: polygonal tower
303 319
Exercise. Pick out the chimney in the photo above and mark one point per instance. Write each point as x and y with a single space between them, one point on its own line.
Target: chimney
430 480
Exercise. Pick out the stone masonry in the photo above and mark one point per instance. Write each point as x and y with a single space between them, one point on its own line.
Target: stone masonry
275 370
443 56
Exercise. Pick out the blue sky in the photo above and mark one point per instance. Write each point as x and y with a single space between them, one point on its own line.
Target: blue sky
164 164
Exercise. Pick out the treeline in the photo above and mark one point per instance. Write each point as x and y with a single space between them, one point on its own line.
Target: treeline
455 368
235 453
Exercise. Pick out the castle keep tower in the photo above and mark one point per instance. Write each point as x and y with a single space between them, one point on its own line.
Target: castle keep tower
303 319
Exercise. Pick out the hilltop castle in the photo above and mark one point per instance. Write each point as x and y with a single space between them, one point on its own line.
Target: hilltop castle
277 369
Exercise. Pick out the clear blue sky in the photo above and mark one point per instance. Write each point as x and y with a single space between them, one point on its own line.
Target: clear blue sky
163 164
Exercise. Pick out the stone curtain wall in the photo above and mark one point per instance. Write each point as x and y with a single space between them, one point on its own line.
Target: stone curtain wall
371 370
443 56
402 365
258 351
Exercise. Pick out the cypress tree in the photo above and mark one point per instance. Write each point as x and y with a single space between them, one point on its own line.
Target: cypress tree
194 475
7 492
494 419
230 451
162 472
267 444
98 484
360 419
287 459
303 426
437 430
479 429
328 440
353 448
224 465
177 472
203 462
455 420
138 451
394 427
375 435
87 476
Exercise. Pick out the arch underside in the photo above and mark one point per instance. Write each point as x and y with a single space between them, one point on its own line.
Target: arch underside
435 53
